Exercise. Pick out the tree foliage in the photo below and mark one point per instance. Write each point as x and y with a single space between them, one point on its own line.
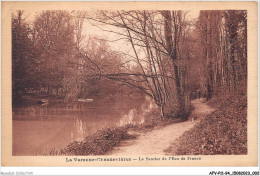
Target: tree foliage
223 41
54 40
23 57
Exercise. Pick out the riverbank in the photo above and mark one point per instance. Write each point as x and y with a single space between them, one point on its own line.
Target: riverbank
223 132
155 141
105 140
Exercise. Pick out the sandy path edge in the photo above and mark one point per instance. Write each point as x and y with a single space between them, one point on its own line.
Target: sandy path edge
156 141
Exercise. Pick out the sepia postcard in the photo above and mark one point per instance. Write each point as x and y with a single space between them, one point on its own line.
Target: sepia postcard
129 84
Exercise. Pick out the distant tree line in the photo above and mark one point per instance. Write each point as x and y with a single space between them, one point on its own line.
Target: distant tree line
48 58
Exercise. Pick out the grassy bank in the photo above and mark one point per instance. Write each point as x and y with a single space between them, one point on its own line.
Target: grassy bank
223 132
97 144
105 140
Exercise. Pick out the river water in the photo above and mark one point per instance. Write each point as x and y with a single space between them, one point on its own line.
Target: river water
37 129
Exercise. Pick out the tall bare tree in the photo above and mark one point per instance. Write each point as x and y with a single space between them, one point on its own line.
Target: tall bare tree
159 35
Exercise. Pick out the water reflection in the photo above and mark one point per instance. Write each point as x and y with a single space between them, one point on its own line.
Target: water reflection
37 129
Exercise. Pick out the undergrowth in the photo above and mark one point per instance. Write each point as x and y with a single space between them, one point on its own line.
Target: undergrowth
223 132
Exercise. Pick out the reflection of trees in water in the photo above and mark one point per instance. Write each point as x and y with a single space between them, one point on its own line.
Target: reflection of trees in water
121 105
77 133
116 115
84 119
137 114
109 110
127 118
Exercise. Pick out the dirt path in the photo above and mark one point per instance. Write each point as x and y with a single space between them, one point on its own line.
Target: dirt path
156 141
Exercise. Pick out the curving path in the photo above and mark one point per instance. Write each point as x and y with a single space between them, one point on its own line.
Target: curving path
156 141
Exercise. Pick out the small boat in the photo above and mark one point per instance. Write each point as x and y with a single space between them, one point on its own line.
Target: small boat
43 101
85 100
